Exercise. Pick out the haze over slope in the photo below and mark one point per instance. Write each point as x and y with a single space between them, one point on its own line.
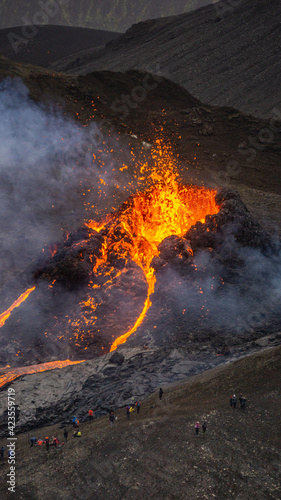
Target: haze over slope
106 14
231 60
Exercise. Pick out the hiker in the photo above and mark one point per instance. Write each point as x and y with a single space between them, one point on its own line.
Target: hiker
132 408
76 423
55 441
204 427
40 442
234 401
160 393
128 412
197 427
111 418
2 453
33 441
73 421
243 403
231 400
65 434
138 406
77 434
47 442
91 414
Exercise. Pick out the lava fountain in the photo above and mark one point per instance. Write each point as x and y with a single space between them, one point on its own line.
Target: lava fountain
166 208
146 219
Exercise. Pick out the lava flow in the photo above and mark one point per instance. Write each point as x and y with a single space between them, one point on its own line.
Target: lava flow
5 315
13 373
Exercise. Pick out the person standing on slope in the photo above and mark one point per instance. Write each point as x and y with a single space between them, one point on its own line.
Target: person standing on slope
111 418
128 412
197 427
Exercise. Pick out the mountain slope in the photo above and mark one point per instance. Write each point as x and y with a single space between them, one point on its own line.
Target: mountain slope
156 453
231 60
50 43
106 14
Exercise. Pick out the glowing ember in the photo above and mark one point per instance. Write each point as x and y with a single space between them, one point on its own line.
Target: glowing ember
5 315
13 373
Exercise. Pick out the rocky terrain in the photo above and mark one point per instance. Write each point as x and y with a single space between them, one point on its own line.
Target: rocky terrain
156 453
112 380
223 54
104 15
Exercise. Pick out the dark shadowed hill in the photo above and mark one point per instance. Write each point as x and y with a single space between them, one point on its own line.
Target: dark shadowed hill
99 14
49 43
156 454
223 56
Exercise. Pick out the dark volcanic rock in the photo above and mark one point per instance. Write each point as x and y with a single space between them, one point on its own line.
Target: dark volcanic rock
233 221
107 382
117 358
173 251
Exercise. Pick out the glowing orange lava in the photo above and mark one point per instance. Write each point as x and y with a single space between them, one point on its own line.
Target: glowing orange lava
147 218
5 315
13 373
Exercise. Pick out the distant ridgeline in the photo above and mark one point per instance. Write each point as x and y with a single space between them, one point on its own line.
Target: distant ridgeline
112 15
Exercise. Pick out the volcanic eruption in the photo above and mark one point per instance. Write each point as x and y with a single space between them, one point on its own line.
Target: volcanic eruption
116 253
173 250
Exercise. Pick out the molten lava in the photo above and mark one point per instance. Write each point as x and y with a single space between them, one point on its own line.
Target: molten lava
5 315
14 373
146 219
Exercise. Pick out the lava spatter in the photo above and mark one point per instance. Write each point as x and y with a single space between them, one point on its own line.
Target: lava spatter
165 208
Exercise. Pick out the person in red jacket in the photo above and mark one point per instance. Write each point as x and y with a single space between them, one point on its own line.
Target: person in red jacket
91 414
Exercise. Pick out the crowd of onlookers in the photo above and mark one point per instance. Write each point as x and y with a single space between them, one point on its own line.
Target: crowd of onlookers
134 406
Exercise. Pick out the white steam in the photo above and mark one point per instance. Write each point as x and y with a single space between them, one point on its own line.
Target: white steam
46 163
